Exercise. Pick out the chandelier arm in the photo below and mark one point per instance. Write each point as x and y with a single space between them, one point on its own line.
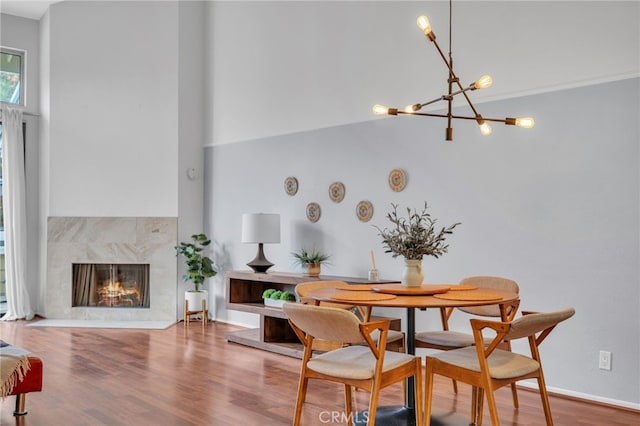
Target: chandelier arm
454 76
507 121
441 98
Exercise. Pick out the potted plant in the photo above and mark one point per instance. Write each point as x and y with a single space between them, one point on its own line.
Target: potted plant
310 260
199 268
414 237
276 298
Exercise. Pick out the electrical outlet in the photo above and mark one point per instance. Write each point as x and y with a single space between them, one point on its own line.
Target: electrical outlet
605 360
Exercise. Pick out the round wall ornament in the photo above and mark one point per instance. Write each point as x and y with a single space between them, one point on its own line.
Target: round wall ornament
397 180
313 212
364 211
291 185
336 191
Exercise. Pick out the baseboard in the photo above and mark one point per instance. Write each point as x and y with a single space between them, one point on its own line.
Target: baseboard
564 393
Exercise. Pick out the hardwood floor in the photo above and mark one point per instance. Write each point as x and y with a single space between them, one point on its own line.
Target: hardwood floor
178 377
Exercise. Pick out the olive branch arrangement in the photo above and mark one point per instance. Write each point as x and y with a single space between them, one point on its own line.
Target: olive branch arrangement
414 236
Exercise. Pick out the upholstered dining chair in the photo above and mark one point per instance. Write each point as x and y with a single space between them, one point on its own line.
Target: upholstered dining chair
487 368
446 339
395 339
367 366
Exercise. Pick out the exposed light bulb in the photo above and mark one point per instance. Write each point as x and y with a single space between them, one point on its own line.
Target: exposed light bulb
410 109
425 26
483 82
485 129
525 122
380 109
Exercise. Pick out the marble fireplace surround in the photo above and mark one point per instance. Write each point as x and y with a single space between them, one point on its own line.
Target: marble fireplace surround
112 240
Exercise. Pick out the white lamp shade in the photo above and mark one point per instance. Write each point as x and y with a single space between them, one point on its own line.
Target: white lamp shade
260 228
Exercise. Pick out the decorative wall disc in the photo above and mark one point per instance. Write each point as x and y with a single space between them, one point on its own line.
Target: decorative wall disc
336 191
291 185
313 212
364 210
397 180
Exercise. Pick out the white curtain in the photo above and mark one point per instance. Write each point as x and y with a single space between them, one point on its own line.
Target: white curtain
15 215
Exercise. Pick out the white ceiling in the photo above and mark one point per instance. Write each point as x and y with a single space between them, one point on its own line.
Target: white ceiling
32 9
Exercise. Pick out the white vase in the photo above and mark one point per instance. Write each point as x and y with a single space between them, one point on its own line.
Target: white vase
412 275
194 299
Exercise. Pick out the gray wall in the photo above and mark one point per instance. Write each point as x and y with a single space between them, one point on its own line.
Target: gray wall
555 208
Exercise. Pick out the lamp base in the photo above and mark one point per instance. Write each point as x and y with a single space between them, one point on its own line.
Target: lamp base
260 264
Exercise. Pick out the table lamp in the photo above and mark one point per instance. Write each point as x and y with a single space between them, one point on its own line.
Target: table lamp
260 228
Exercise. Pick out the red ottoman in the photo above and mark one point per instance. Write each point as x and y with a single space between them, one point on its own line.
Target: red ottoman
32 383
32 379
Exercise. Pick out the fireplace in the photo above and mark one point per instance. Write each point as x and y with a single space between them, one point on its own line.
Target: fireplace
145 244
110 285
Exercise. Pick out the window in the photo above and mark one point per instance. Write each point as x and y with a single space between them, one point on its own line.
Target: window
12 66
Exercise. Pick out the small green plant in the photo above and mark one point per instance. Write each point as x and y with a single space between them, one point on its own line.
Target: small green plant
414 236
307 257
274 294
199 267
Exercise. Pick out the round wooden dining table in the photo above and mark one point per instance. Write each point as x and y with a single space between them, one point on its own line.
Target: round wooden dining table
394 295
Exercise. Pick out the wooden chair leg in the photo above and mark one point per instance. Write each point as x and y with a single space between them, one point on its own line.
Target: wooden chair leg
21 402
428 386
348 401
302 392
373 403
474 405
419 405
493 410
514 394
545 399
480 406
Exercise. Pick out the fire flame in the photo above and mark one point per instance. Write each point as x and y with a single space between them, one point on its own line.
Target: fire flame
113 293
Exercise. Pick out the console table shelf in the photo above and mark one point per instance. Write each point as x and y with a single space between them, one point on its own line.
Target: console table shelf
244 293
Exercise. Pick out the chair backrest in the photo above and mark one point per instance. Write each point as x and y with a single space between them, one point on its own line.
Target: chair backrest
533 326
489 282
338 325
530 324
303 289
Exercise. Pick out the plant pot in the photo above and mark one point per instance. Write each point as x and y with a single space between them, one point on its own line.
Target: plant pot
274 303
194 299
312 269
412 275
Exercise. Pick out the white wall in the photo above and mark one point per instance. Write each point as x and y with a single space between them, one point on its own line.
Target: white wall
113 109
285 67
556 208
191 128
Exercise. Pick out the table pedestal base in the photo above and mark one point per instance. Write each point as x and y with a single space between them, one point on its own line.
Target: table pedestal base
399 415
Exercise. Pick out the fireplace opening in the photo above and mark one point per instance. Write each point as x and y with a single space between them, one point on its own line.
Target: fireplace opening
111 285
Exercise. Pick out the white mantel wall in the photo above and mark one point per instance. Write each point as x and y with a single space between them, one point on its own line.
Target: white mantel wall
113 93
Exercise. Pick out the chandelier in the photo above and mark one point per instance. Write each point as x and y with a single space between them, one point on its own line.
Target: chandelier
454 83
